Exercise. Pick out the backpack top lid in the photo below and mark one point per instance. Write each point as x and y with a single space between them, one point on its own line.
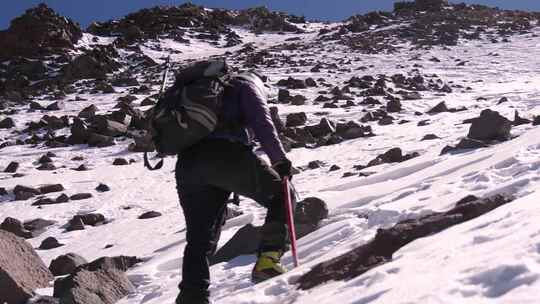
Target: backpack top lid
202 69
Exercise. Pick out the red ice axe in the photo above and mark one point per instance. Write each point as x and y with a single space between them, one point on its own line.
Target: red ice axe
290 218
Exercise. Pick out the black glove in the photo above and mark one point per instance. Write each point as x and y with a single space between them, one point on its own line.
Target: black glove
283 168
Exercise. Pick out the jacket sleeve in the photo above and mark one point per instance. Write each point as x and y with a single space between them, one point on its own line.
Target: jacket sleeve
258 119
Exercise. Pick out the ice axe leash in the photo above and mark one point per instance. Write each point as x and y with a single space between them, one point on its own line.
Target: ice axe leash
160 95
290 218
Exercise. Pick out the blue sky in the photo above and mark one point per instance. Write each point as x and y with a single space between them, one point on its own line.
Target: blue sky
85 11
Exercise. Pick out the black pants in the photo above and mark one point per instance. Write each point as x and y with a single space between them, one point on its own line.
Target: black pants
206 175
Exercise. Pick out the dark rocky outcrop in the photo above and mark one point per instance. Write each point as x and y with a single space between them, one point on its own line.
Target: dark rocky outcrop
387 241
39 31
66 264
12 167
21 269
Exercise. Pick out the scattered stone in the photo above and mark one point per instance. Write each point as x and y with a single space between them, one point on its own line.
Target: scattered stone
393 106
149 215
103 188
51 188
47 167
75 223
7 123
386 242
80 196
3 191
308 215
502 100
12 167
45 159
23 193
16 227
298 100
296 119
66 264
37 226
439 108
56 106
334 168
82 167
536 120
21 270
63 198
88 112
394 155
490 126
120 162
430 137
50 243
315 164
465 144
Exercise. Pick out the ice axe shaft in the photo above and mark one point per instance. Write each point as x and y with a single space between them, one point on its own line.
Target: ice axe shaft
290 218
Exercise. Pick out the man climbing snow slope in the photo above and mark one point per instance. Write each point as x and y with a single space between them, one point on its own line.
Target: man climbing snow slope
221 164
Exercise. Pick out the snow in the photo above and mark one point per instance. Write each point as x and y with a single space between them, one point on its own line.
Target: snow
492 259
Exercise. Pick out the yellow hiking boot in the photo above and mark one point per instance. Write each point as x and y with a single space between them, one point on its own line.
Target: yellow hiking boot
267 266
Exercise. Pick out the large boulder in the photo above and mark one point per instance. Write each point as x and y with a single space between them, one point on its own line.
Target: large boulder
102 281
94 64
490 126
66 264
39 31
21 270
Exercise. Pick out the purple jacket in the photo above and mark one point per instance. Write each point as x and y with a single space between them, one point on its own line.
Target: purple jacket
245 113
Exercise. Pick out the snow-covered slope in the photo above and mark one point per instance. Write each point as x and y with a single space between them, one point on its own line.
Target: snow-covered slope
492 259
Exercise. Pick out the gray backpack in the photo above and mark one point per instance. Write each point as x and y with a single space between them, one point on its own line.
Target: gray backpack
189 110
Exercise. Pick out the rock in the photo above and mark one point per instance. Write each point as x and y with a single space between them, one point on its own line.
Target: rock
92 219
430 137
386 242
148 102
536 120
23 193
310 82
394 155
50 243
324 128
3 191
518 121
107 127
102 281
21 270
93 64
39 31
66 264
352 130
99 140
120 162
80 196
502 100
16 227
46 167
51 188
63 198
334 168
284 96
393 106
102 188
45 159
296 119
79 132
439 108
37 226
88 112
308 215
298 100
245 241
7 123
292 83
12 167
82 167
56 106
490 126
465 144
149 215
75 223
315 164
